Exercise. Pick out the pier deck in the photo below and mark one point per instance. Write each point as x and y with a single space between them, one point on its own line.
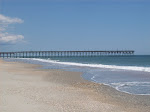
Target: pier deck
38 54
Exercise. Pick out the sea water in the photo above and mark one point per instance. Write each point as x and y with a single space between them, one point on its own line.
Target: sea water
130 74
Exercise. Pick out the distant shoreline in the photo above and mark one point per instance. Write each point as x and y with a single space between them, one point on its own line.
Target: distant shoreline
30 88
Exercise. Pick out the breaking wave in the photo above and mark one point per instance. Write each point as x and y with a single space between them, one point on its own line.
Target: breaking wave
133 68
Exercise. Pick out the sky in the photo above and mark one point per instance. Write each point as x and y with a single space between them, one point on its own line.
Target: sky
75 25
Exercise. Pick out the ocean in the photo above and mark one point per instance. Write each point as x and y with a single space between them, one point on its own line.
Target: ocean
130 74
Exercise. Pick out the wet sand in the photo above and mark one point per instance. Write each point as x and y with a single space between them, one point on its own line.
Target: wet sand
25 88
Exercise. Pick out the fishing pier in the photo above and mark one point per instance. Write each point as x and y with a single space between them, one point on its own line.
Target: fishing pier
40 54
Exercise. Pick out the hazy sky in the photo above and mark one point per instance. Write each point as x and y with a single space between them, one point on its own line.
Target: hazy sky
75 25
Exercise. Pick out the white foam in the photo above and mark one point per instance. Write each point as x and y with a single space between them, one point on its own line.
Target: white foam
133 68
120 85
130 83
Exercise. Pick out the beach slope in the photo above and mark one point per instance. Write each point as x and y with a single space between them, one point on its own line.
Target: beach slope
25 88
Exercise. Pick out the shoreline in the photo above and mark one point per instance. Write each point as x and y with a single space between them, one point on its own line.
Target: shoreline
79 64
77 94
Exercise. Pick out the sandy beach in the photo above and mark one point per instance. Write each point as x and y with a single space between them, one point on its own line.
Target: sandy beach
25 88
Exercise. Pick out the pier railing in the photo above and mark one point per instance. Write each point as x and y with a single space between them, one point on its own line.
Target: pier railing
38 54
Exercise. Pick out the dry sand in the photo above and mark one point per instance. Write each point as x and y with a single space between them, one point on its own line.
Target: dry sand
25 88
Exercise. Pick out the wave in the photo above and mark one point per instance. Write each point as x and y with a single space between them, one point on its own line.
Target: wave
121 84
132 87
133 68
